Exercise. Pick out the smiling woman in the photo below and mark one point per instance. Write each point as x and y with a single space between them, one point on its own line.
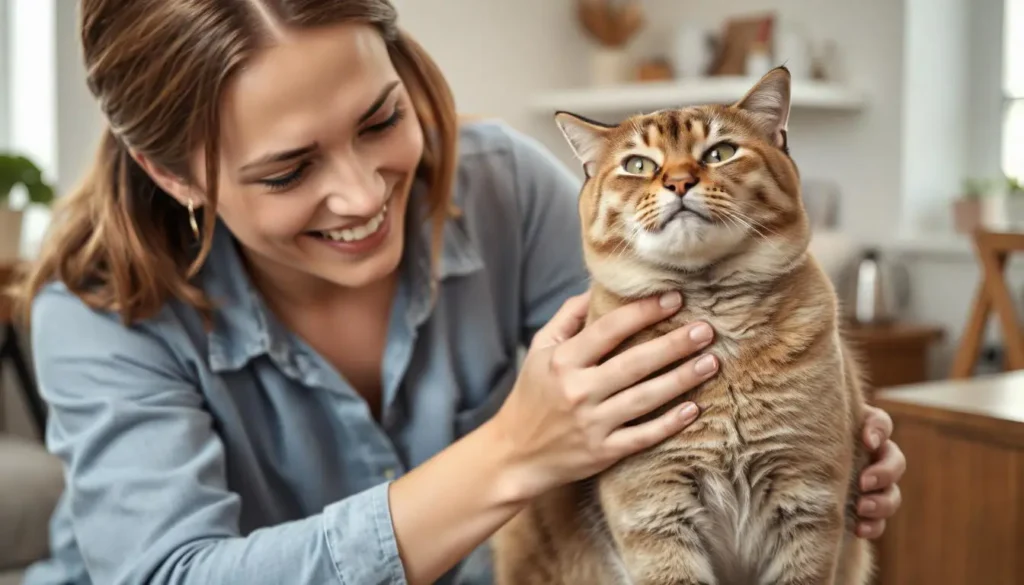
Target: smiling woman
277 326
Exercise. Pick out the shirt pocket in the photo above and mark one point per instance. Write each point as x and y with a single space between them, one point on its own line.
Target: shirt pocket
468 419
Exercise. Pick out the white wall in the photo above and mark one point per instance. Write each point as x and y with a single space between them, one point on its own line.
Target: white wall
496 55
5 52
79 119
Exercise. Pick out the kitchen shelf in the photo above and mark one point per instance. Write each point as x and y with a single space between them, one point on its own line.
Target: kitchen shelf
649 96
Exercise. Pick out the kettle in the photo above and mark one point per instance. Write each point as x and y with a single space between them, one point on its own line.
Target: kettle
874 290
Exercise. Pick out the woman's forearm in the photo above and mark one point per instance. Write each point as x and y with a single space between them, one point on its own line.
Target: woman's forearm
448 506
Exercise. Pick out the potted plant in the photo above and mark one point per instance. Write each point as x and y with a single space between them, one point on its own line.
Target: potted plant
968 208
1014 203
1002 208
15 171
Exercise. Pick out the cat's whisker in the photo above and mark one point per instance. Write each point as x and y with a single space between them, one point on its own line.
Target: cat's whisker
759 224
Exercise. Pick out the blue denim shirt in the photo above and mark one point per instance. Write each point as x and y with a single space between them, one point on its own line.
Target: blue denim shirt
240 456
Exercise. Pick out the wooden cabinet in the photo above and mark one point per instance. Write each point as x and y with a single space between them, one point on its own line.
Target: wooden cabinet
894 354
962 517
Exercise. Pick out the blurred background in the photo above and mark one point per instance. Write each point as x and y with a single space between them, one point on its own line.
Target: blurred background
908 126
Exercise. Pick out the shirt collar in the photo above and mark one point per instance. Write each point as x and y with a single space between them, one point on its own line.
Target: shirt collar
244 328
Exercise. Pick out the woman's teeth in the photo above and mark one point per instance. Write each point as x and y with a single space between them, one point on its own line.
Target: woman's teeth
358 233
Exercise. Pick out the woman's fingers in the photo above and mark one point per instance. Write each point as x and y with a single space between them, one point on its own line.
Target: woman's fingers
877 427
565 323
628 440
645 359
609 330
647 396
880 506
886 471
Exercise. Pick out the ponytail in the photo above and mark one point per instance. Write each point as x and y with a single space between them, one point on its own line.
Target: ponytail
118 242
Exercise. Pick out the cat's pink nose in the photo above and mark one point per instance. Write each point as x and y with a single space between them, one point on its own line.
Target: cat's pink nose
680 184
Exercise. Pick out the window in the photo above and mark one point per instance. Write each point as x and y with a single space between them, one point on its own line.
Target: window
5 101
1013 89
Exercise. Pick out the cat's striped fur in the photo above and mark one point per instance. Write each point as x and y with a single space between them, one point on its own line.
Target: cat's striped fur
761 488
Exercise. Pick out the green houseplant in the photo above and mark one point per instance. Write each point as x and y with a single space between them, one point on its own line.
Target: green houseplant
17 170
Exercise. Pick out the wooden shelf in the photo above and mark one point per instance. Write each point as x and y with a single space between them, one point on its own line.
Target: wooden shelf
649 96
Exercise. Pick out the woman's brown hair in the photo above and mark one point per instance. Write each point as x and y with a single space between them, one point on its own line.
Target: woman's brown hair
158 69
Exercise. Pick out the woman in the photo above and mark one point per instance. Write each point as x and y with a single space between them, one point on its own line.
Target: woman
275 322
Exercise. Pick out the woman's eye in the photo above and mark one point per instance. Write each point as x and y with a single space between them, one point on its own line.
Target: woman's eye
392 121
719 152
639 165
284 181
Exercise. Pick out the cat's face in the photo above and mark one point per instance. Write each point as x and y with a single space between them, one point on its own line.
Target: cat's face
682 189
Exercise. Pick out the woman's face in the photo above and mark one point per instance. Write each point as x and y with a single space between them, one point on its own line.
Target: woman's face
319 144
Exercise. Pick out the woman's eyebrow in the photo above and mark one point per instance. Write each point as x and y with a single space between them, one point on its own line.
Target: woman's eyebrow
286 155
377 103
276 157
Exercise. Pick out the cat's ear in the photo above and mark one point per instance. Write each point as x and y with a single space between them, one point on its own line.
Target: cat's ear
587 138
768 102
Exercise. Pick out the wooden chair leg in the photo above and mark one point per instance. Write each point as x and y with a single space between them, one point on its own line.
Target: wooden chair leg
994 265
970 341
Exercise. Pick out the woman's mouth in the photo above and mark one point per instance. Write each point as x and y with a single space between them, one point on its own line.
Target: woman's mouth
357 233
358 239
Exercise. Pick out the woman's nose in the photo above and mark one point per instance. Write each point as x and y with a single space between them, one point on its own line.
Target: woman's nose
354 189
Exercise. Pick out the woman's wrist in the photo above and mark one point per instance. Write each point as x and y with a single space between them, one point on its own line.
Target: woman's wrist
516 480
455 501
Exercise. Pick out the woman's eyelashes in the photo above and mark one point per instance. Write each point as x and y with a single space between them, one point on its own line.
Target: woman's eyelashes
285 181
392 121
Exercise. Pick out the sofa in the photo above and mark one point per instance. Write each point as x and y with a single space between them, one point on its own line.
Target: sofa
31 481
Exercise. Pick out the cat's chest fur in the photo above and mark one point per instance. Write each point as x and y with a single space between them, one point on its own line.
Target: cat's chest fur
774 411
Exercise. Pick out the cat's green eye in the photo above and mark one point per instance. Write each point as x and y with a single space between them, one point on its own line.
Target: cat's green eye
719 152
639 165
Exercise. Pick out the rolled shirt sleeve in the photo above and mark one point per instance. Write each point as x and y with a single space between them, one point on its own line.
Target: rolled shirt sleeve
145 471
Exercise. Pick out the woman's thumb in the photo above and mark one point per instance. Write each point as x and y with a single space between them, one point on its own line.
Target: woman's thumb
565 323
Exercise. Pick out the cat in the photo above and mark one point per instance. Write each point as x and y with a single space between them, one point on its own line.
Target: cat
761 488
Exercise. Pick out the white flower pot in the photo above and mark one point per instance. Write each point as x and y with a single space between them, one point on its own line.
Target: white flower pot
11 222
609 66
1003 212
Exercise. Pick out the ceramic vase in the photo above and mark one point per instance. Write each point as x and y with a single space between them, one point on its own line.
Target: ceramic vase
609 66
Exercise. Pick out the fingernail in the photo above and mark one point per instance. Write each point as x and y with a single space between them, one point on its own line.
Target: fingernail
870 482
670 300
701 332
867 507
874 439
705 365
688 411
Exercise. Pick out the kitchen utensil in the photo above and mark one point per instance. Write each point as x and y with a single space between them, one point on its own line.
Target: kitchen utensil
874 289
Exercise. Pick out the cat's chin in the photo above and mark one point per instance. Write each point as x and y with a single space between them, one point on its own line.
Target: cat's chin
688 242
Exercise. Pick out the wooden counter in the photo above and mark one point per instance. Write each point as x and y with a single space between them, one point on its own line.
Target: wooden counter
962 518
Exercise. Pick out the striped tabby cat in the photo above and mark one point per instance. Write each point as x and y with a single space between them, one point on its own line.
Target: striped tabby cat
761 488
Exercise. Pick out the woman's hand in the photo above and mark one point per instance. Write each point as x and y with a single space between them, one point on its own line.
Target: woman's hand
565 418
879 480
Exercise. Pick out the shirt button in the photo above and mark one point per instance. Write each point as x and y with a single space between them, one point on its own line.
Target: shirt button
389 474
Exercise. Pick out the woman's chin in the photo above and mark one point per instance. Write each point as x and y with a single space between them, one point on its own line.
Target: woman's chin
363 271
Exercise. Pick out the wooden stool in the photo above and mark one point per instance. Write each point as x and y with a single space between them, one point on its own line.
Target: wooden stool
10 350
993 250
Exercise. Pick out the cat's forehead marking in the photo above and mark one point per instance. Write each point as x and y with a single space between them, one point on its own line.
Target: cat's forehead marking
652 134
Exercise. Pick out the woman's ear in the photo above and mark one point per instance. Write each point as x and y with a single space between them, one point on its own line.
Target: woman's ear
172 184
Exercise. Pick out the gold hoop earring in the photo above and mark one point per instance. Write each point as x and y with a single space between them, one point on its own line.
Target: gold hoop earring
192 218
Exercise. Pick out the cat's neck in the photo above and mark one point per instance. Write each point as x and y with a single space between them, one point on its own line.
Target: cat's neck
736 301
